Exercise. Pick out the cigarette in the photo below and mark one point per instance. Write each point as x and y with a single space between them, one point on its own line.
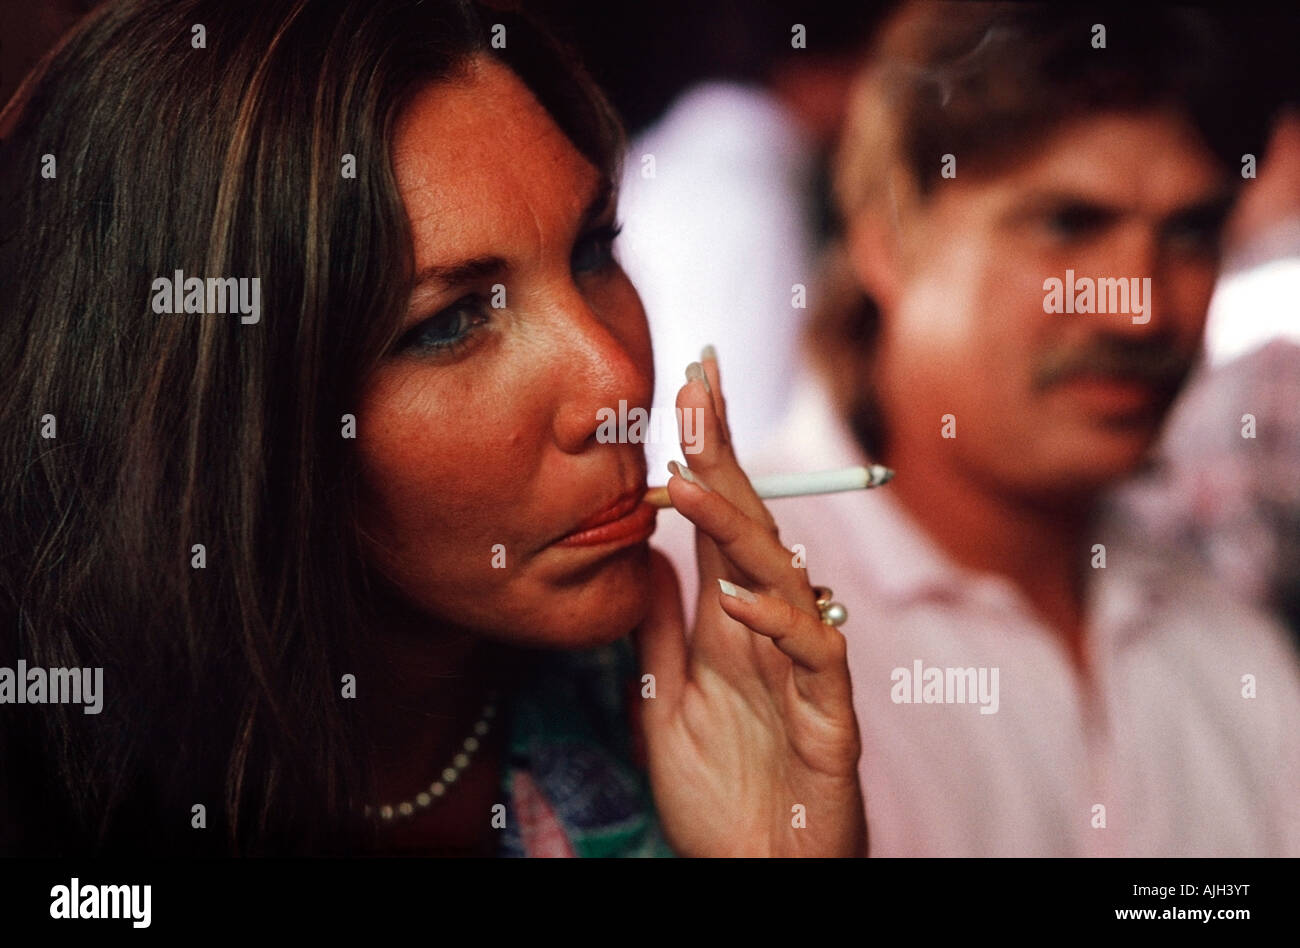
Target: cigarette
800 485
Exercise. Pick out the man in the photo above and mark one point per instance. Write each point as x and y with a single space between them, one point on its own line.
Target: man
1031 680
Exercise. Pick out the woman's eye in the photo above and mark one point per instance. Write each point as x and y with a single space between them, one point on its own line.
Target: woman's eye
448 328
595 250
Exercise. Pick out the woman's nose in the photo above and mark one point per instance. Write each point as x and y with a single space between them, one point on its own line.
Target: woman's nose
603 373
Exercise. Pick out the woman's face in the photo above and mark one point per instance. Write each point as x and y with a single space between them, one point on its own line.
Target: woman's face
478 434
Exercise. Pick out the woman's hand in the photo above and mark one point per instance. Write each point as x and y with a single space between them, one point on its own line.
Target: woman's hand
751 738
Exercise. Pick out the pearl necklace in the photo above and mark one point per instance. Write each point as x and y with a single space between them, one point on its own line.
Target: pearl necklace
388 812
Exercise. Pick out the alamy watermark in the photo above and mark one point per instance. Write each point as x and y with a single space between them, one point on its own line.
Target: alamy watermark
182 294
637 426
25 685
74 900
1102 295
944 685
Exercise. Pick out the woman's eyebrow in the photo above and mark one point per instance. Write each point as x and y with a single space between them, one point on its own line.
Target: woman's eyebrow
478 268
464 271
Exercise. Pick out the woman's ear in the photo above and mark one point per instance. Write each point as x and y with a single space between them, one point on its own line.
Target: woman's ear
876 255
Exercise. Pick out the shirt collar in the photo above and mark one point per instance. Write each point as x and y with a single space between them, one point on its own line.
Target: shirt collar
898 557
902 562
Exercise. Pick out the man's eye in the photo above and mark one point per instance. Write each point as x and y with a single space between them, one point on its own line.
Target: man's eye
448 328
1198 232
595 250
1073 223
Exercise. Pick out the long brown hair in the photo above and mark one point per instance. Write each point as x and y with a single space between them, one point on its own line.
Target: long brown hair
222 683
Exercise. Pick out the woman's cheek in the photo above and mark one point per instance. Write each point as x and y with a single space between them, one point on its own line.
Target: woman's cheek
444 485
430 475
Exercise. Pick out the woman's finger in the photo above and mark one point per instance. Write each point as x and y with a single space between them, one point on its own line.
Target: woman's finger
817 651
711 455
709 361
742 543
742 548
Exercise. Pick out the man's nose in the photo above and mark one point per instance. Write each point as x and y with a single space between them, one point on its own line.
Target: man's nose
1137 262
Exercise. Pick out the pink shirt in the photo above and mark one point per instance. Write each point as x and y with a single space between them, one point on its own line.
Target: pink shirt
1183 763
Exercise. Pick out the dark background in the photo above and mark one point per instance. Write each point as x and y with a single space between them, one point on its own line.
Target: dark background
645 53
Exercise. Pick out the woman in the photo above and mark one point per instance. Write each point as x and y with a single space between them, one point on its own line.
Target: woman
321 546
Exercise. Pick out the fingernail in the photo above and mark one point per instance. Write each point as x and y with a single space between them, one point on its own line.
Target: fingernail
686 474
695 373
737 592
708 352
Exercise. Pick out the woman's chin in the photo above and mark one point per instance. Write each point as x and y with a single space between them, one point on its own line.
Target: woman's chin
604 604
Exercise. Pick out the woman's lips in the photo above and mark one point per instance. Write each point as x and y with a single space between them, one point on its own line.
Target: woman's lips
627 520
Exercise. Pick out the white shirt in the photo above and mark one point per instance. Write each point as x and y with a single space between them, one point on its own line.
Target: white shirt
714 243
1255 298
1182 763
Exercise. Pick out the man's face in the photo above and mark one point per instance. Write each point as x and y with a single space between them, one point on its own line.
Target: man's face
1051 403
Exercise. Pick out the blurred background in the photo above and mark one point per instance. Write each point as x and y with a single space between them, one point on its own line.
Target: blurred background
739 117
733 109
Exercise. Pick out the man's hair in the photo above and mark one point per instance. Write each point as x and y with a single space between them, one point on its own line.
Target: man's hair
986 82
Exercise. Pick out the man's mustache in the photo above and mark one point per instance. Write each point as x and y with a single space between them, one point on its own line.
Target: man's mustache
1149 361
